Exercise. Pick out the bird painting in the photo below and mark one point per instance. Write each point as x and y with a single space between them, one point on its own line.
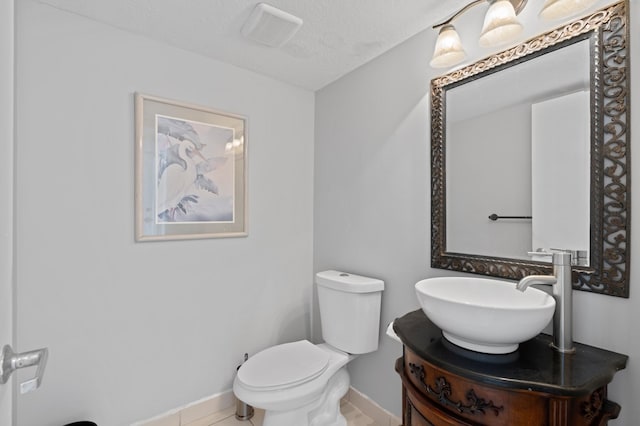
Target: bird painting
178 129
182 172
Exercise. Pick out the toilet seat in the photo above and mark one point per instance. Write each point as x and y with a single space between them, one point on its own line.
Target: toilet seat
284 366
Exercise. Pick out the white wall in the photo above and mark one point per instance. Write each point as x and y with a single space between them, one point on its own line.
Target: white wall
372 213
6 194
135 329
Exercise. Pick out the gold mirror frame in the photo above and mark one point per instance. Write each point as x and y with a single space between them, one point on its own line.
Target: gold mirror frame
608 33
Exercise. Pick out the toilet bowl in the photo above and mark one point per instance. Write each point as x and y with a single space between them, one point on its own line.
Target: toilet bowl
301 384
301 387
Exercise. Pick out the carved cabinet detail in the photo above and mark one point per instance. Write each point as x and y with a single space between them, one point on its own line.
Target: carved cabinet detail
435 397
443 385
442 392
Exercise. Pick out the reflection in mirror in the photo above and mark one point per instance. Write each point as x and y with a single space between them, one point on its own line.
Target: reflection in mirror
535 138
529 143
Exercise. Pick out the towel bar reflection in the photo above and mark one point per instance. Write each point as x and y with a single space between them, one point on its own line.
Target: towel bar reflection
495 217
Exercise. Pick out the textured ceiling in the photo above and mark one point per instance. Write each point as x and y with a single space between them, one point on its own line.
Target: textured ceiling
337 35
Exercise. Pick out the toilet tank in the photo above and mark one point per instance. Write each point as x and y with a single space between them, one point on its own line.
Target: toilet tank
349 310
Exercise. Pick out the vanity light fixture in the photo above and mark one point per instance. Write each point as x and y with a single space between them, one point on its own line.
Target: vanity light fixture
501 26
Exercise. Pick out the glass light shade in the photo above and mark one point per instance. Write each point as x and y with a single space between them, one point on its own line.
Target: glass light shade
448 51
500 24
558 9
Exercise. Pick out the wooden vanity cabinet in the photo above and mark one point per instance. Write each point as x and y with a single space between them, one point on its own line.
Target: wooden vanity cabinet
436 397
444 385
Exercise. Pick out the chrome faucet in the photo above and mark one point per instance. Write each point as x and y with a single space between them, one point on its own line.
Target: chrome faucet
560 282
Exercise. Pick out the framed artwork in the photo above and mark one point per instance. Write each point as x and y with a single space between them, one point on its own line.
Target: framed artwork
190 171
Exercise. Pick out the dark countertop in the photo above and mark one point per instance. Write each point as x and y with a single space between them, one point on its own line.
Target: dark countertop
534 366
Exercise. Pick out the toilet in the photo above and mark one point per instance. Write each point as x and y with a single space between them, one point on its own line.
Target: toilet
301 384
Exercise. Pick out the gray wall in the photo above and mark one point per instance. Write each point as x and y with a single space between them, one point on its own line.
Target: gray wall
136 329
372 214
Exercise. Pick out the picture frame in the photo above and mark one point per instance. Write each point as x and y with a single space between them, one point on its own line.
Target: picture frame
190 171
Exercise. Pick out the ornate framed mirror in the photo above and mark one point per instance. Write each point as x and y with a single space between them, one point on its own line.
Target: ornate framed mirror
530 152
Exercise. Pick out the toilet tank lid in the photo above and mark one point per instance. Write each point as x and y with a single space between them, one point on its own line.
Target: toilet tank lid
347 282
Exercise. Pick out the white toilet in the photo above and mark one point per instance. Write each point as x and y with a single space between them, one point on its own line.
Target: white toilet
299 383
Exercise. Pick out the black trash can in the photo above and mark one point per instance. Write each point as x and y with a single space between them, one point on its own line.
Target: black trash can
82 423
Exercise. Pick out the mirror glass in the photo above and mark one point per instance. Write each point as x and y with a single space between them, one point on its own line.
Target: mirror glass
522 150
529 154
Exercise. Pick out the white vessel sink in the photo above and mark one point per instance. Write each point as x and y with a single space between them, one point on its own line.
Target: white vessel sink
484 315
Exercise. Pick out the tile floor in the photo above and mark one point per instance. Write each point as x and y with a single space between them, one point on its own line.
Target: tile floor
227 417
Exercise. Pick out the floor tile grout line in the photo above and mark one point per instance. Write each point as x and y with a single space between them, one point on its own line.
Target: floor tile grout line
251 421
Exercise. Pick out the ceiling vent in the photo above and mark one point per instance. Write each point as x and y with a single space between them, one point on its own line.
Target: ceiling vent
270 26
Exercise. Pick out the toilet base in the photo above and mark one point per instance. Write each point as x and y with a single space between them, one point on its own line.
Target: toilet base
325 411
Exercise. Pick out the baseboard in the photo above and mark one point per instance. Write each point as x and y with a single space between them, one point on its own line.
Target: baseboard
371 409
205 411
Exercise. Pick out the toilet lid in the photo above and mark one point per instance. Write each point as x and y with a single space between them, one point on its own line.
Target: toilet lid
284 365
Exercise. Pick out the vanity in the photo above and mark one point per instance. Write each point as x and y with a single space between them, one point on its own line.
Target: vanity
529 154
443 384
